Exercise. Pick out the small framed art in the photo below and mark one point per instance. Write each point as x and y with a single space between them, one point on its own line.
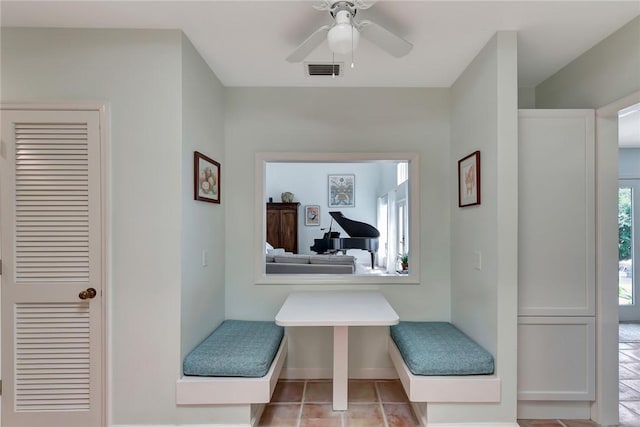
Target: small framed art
469 180
342 191
312 215
206 178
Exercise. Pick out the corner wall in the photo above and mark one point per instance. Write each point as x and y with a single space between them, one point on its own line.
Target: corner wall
605 73
484 301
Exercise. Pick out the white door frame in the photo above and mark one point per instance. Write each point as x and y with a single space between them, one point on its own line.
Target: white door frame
632 312
604 409
105 162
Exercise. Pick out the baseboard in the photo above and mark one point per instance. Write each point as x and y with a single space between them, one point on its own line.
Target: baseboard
180 425
420 410
327 373
514 424
554 410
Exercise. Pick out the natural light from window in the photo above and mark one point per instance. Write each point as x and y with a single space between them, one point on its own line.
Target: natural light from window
625 246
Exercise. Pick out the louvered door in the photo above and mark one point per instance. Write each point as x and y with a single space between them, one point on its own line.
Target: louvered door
50 189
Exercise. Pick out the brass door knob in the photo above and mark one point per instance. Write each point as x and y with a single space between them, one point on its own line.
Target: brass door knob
87 294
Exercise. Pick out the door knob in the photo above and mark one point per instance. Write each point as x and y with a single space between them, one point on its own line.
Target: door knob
87 294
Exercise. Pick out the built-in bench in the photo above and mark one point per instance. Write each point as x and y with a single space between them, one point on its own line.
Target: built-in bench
436 362
239 363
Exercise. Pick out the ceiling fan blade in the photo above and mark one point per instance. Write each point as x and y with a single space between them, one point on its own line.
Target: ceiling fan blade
383 38
307 46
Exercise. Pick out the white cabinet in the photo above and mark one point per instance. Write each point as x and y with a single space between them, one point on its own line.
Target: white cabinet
556 255
556 225
556 358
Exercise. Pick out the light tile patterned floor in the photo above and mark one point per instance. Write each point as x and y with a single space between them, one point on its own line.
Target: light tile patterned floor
383 403
629 373
375 403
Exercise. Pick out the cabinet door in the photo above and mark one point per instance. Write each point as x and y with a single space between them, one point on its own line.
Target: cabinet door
273 228
289 230
556 213
556 358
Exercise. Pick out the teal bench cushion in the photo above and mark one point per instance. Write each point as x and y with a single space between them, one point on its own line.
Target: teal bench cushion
439 348
237 348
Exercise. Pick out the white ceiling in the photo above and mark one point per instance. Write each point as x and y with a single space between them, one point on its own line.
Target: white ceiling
246 42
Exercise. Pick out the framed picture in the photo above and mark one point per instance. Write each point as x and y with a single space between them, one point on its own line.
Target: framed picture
312 215
342 191
206 180
469 180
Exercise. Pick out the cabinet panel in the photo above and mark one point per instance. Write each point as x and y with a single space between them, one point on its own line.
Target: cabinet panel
282 226
273 228
556 358
556 213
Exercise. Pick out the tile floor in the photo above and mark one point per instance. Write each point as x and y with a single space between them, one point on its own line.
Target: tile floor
383 403
374 403
629 373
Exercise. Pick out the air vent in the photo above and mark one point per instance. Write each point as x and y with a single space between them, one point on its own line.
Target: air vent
329 69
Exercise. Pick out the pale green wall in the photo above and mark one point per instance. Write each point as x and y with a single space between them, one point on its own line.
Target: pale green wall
154 110
202 304
605 73
483 302
342 120
139 74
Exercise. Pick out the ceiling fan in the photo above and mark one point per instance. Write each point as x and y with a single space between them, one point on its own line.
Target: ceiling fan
344 33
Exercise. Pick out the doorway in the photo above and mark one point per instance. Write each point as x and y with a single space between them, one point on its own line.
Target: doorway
53 216
628 264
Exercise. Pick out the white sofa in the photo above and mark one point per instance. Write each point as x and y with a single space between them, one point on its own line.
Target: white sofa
287 263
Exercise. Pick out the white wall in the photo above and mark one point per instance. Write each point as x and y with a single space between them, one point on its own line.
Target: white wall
629 163
139 73
605 73
338 120
483 302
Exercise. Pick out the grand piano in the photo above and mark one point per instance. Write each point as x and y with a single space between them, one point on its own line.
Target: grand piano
361 236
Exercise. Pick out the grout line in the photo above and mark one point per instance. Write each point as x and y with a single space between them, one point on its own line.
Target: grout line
384 416
304 392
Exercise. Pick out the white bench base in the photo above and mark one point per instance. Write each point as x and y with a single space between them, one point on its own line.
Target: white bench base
440 389
231 390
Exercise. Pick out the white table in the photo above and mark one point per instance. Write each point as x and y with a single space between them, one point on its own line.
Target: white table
340 310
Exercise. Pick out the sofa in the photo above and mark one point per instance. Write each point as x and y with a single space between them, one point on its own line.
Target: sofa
288 263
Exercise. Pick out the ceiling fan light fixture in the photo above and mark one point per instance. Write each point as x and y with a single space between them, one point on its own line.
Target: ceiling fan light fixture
343 38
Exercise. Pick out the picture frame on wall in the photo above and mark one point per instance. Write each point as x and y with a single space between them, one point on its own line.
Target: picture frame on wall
206 178
342 191
469 180
312 215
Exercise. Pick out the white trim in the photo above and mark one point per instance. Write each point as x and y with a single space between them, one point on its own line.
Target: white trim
554 410
604 409
612 109
437 389
261 158
231 390
325 373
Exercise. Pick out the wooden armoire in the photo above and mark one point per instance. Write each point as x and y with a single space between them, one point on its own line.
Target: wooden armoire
282 226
